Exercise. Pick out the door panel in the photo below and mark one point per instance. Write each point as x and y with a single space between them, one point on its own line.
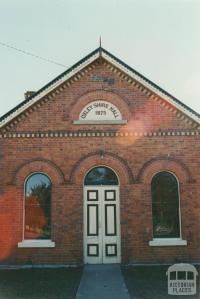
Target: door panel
110 220
101 225
92 220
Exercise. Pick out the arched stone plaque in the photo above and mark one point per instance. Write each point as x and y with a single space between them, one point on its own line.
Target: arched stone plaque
100 111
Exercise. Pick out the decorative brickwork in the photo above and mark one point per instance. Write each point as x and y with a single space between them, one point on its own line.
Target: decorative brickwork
150 168
38 165
92 160
40 135
100 94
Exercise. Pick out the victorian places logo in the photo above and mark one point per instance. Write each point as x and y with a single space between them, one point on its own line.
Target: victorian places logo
182 279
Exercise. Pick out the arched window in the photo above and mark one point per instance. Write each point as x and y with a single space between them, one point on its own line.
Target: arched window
37 222
165 205
101 175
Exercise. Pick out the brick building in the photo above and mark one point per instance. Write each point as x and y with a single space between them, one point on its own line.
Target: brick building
101 165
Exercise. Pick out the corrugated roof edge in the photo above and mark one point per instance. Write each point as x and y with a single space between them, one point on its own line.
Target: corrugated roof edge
82 61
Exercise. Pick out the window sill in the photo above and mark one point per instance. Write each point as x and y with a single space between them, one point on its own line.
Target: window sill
36 243
168 242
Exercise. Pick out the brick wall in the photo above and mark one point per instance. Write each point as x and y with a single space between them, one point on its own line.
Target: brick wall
133 151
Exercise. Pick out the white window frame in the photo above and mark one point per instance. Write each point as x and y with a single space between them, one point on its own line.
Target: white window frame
26 243
178 241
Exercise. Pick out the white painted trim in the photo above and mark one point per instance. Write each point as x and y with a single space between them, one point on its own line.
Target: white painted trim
36 243
86 63
179 201
101 239
99 122
168 242
24 200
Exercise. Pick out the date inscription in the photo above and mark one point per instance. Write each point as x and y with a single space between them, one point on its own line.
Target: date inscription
100 110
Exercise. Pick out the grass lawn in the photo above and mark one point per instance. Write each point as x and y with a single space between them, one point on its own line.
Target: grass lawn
150 282
61 283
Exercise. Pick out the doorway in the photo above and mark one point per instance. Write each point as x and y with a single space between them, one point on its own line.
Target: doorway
101 217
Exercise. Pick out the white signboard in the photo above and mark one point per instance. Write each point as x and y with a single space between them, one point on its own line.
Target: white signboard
100 110
182 279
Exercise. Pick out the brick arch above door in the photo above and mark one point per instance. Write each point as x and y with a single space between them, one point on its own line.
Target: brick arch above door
110 160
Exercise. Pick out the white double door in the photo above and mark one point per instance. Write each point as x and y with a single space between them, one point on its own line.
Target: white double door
101 225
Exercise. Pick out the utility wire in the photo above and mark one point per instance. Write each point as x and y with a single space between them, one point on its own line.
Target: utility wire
31 54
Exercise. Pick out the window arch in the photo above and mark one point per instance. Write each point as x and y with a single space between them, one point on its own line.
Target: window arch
165 205
37 218
101 175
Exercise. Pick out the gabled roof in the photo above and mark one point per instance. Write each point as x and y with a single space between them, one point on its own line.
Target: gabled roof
77 67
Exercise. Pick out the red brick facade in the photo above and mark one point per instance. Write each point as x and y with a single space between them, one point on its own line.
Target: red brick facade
43 138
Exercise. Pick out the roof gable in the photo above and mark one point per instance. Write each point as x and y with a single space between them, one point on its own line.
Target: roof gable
73 72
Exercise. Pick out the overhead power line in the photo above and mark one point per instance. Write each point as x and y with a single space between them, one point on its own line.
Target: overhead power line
31 54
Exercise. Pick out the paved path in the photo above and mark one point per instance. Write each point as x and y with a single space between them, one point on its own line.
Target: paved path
102 282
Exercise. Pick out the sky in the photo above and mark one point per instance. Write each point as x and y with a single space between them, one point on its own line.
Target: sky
158 38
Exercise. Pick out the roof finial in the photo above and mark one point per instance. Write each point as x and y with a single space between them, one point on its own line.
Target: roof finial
100 49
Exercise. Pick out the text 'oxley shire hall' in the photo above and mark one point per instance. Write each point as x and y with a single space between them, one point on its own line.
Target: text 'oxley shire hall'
101 165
